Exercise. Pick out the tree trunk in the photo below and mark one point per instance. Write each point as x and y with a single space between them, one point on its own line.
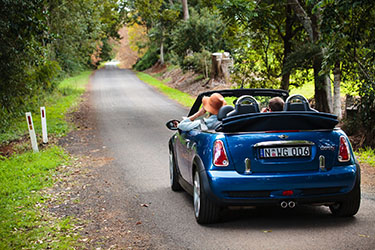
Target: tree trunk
220 66
185 9
328 87
336 91
216 66
287 47
162 52
303 17
321 97
311 25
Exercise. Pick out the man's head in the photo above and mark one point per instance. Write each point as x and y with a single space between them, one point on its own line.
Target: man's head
276 104
213 103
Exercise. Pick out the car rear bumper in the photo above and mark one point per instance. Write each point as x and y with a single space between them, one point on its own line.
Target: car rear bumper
232 188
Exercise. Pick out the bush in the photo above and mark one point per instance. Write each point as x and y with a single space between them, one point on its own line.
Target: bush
367 111
200 62
35 85
201 32
147 60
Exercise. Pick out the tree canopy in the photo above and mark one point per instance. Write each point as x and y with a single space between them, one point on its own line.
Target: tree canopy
274 44
41 40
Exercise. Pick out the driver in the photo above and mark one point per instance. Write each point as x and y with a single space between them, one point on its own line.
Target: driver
211 105
275 104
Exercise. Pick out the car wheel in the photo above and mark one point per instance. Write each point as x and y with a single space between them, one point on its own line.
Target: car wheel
350 206
175 186
205 210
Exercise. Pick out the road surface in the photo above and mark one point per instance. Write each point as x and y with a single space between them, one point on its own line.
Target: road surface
131 119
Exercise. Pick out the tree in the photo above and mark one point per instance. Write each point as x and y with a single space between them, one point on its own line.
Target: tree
271 30
202 31
159 17
42 40
185 9
310 22
347 29
23 33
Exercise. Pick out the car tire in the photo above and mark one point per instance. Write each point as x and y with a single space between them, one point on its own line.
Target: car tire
175 185
350 206
205 210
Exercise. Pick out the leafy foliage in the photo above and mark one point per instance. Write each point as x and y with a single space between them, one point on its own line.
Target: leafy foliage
57 105
207 28
42 41
177 40
147 60
348 29
199 62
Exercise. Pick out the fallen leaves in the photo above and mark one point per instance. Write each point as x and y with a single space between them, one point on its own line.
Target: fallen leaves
364 235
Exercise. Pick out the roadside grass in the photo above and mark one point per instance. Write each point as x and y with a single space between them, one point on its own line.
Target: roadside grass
366 155
308 90
23 222
56 105
181 97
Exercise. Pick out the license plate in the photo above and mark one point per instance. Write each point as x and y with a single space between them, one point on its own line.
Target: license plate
281 152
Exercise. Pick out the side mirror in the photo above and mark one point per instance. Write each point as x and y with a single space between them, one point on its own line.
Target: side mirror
172 124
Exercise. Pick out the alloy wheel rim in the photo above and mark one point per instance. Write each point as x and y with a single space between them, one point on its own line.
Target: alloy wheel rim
197 194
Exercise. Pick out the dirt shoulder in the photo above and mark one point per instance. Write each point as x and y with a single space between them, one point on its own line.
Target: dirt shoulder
367 178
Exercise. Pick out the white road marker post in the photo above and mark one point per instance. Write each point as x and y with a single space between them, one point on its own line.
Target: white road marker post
30 125
44 124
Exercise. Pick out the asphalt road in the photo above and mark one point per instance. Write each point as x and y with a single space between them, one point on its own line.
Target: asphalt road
131 117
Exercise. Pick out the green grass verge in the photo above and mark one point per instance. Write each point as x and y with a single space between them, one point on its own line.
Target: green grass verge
308 90
57 104
181 97
23 225
366 155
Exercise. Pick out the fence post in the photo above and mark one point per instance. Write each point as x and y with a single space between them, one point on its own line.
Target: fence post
44 124
30 126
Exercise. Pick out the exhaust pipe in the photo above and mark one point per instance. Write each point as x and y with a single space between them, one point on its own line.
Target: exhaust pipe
291 204
284 204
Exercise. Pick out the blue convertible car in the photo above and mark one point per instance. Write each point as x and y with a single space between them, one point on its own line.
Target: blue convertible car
287 158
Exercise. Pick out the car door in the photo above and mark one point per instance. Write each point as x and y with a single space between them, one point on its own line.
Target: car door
185 152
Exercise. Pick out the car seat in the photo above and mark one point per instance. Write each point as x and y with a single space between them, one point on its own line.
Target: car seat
223 111
245 105
297 103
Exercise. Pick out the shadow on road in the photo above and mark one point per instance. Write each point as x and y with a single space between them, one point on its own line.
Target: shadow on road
261 218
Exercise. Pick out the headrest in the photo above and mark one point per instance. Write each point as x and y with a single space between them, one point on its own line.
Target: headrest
223 111
297 103
245 105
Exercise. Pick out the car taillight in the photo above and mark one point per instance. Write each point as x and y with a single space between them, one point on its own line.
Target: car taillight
220 157
344 154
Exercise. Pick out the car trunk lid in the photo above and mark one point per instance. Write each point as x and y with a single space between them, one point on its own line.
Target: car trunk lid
282 151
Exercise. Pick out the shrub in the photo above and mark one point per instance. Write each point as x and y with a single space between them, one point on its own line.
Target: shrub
200 62
201 32
147 60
